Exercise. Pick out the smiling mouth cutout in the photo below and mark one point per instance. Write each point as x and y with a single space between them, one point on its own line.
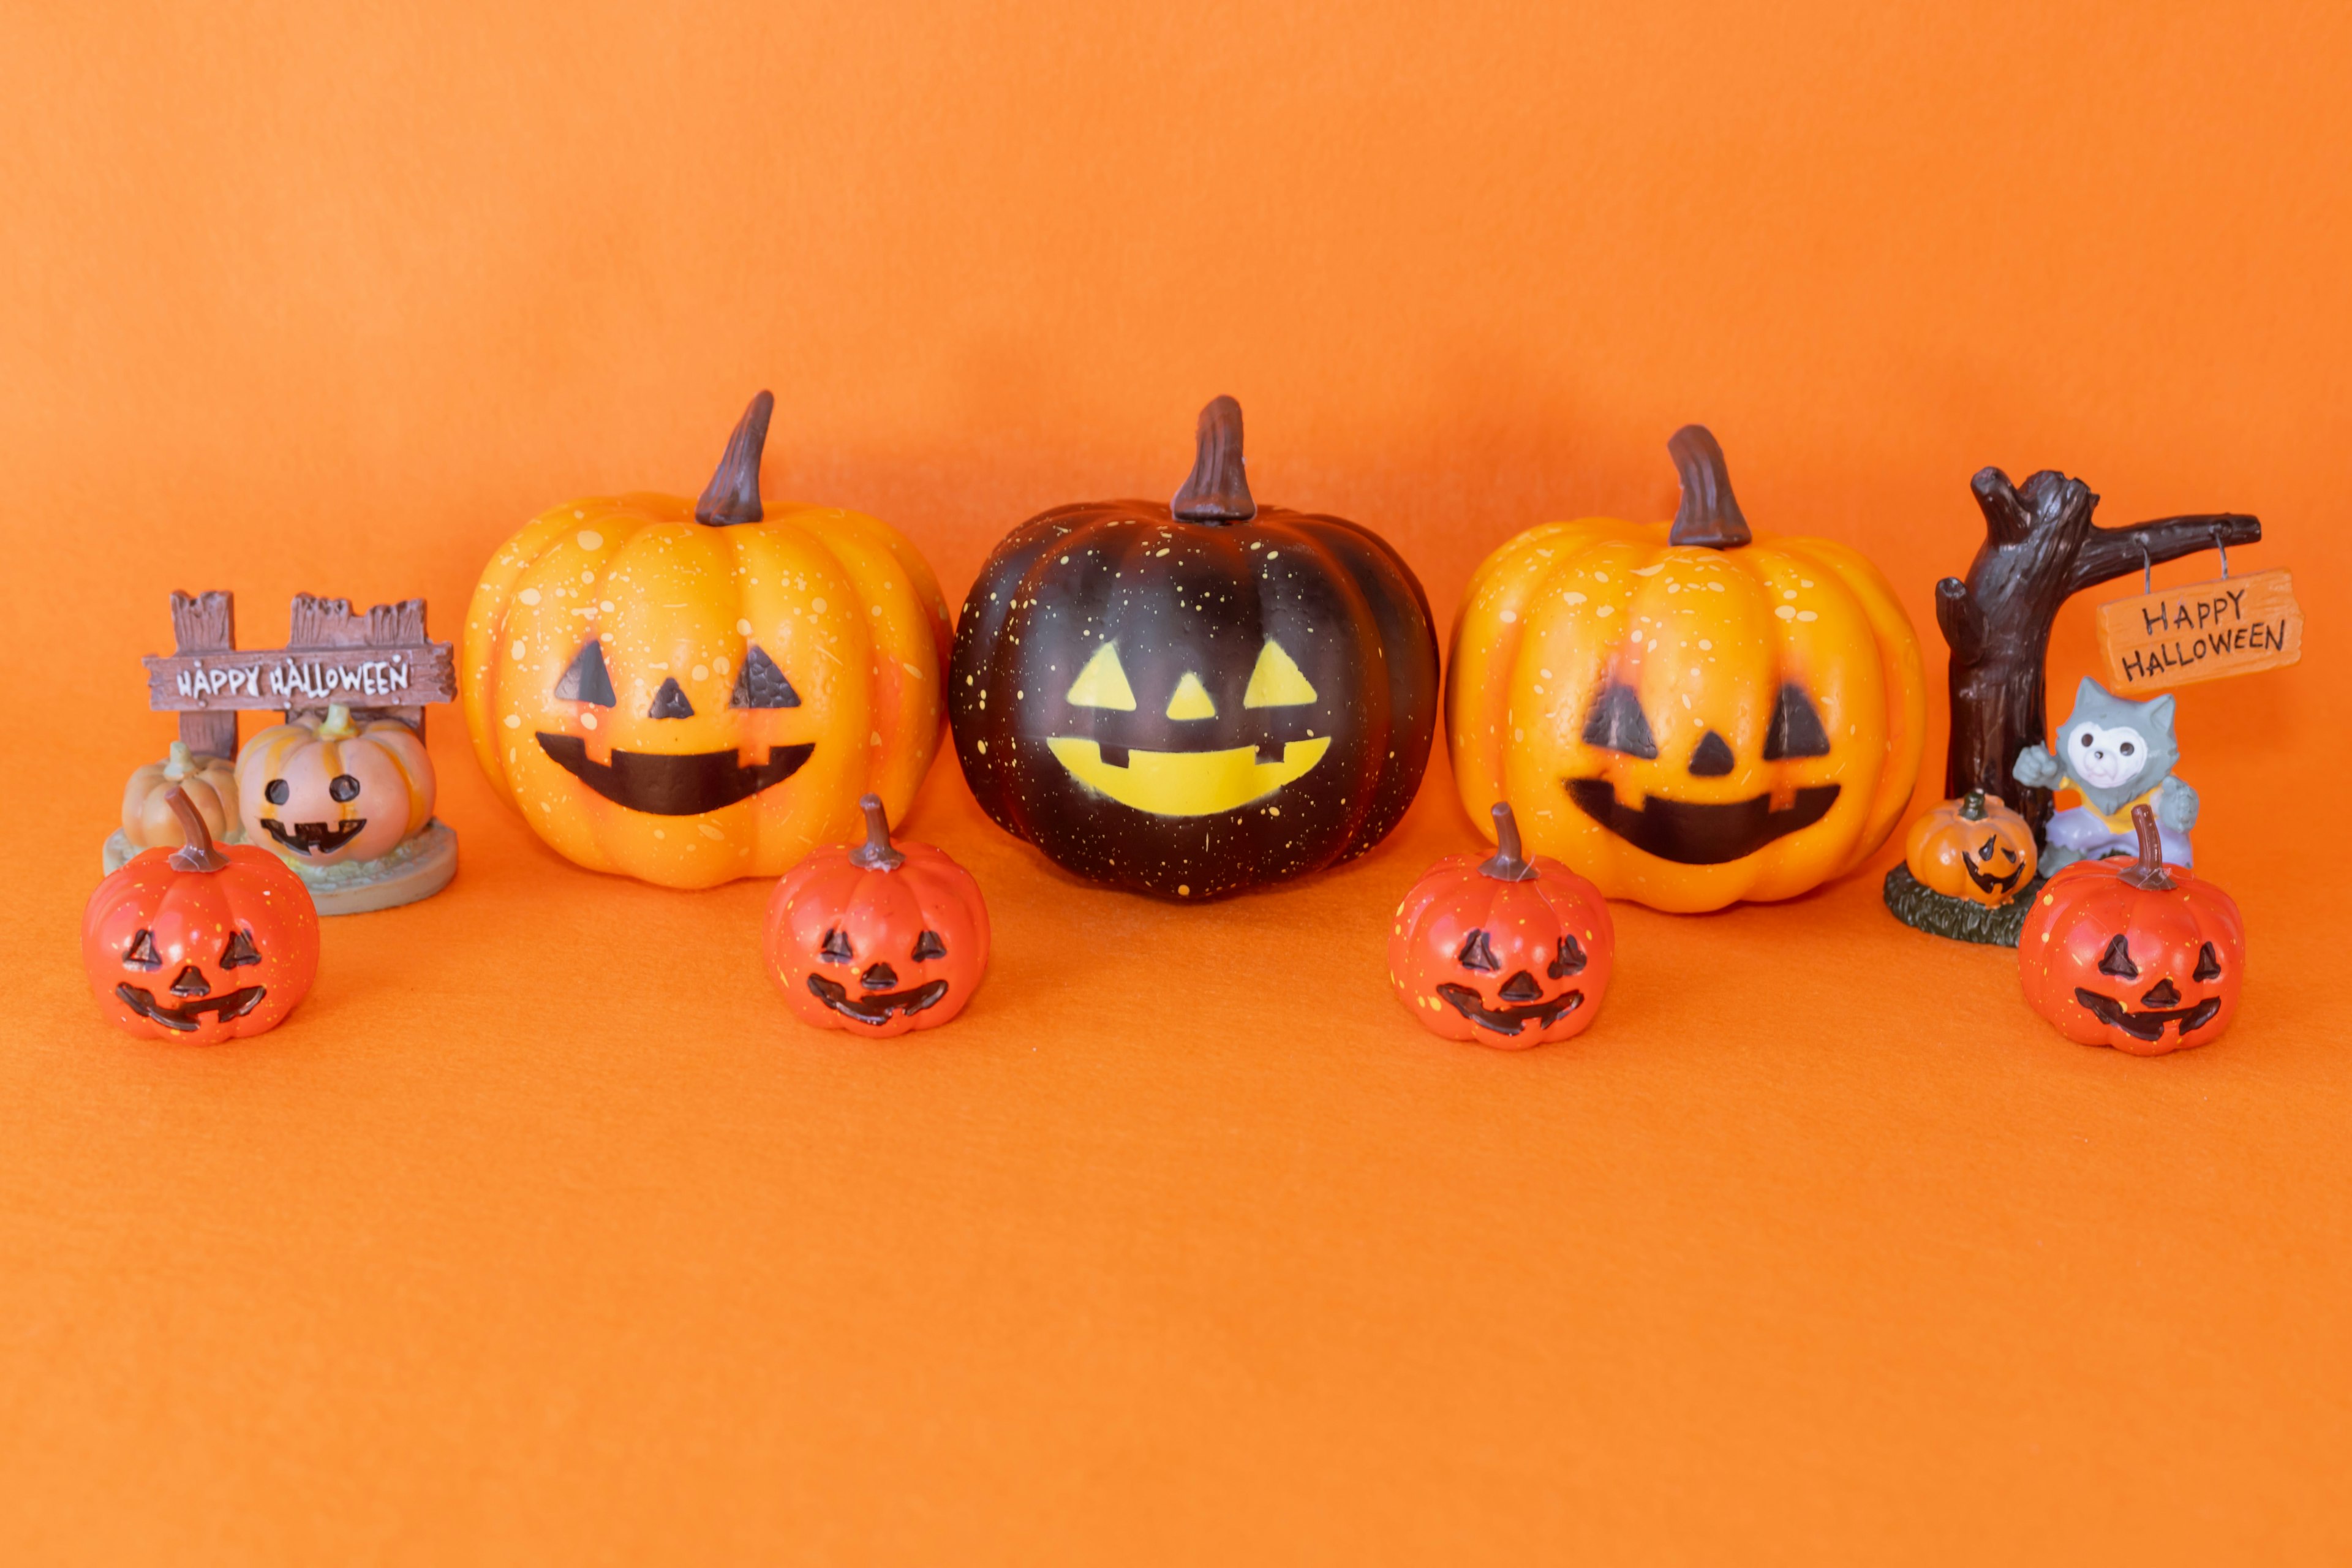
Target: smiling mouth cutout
873 1009
1691 833
1187 783
2146 1026
185 1017
313 837
668 784
1509 1020
1987 882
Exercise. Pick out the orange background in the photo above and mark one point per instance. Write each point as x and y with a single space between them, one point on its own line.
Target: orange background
540 1234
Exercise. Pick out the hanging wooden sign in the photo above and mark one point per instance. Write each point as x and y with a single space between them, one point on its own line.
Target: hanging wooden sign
2201 631
379 665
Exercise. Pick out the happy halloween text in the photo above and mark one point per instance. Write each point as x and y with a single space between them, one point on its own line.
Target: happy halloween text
2201 631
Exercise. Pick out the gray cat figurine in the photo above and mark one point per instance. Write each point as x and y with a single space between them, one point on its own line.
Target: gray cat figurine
2119 755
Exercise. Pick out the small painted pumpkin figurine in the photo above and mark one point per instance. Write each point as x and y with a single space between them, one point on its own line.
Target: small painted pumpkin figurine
326 791
878 939
1974 847
1504 951
148 820
2137 954
202 943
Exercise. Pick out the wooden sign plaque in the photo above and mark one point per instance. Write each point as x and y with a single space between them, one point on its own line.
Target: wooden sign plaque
2201 631
380 665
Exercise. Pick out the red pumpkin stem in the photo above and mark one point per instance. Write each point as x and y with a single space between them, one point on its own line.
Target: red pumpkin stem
199 853
733 496
1709 515
1507 864
1217 490
2149 872
875 854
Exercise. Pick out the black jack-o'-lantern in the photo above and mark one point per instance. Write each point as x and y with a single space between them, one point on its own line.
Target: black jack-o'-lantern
1198 697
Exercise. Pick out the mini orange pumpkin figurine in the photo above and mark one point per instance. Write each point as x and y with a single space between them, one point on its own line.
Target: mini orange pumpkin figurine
1505 950
878 938
1974 847
2137 954
201 943
330 791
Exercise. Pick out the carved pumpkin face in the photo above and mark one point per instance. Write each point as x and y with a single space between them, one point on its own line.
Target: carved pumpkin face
326 791
1688 715
1974 849
200 944
689 691
879 939
2136 954
1195 699
1502 951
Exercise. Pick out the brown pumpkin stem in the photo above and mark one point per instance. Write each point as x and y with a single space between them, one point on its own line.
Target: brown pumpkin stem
1709 516
2149 872
733 496
875 854
1217 490
199 854
1507 864
1972 805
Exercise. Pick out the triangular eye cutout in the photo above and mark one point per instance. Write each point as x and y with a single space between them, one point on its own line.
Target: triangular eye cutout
928 945
1476 954
585 678
2118 961
1103 682
1796 729
761 684
1616 724
1567 959
671 701
240 950
836 947
1277 681
2208 964
1191 699
142 954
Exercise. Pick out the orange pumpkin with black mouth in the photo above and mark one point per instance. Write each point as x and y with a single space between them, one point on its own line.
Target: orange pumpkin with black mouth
686 691
203 943
878 938
1974 847
2135 954
325 792
1505 950
1687 713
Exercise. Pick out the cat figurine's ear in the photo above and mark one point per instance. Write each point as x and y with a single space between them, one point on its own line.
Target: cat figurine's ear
2090 694
2160 712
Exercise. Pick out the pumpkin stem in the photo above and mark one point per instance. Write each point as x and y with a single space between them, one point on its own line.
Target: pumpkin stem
181 761
733 496
875 854
1507 864
338 725
1217 490
199 854
1709 515
1972 805
2149 872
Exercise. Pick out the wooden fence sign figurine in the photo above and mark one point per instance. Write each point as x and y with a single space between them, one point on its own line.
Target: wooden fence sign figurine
2201 631
342 790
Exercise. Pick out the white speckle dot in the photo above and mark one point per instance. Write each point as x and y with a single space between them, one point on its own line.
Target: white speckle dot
1606 610
701 672
587 576
1601 576
1704 644
517 648
1787 592
1807 616
528 596
1066 561
587 720
588 538
1715 587
743 628
707 831
659 834
1510 615
514 721
605 606
873 737
1518 734
984 748
1571 598
817 606
1784 612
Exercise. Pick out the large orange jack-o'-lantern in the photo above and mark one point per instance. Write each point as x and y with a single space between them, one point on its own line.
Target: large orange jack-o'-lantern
690 692
1688 714
200 944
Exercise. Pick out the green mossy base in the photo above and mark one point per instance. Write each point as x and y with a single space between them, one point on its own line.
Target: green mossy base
1917 905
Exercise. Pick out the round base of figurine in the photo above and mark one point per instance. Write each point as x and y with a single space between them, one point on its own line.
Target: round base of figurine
420 867
1916 904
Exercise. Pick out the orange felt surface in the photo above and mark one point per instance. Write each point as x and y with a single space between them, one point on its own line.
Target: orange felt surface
540 1234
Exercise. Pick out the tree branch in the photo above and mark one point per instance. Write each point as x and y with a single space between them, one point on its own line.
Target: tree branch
2006 519
2111 552
1962 623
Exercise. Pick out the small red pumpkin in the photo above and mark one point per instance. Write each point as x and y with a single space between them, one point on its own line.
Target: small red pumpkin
1505 950
202 943
2137 954
878 939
